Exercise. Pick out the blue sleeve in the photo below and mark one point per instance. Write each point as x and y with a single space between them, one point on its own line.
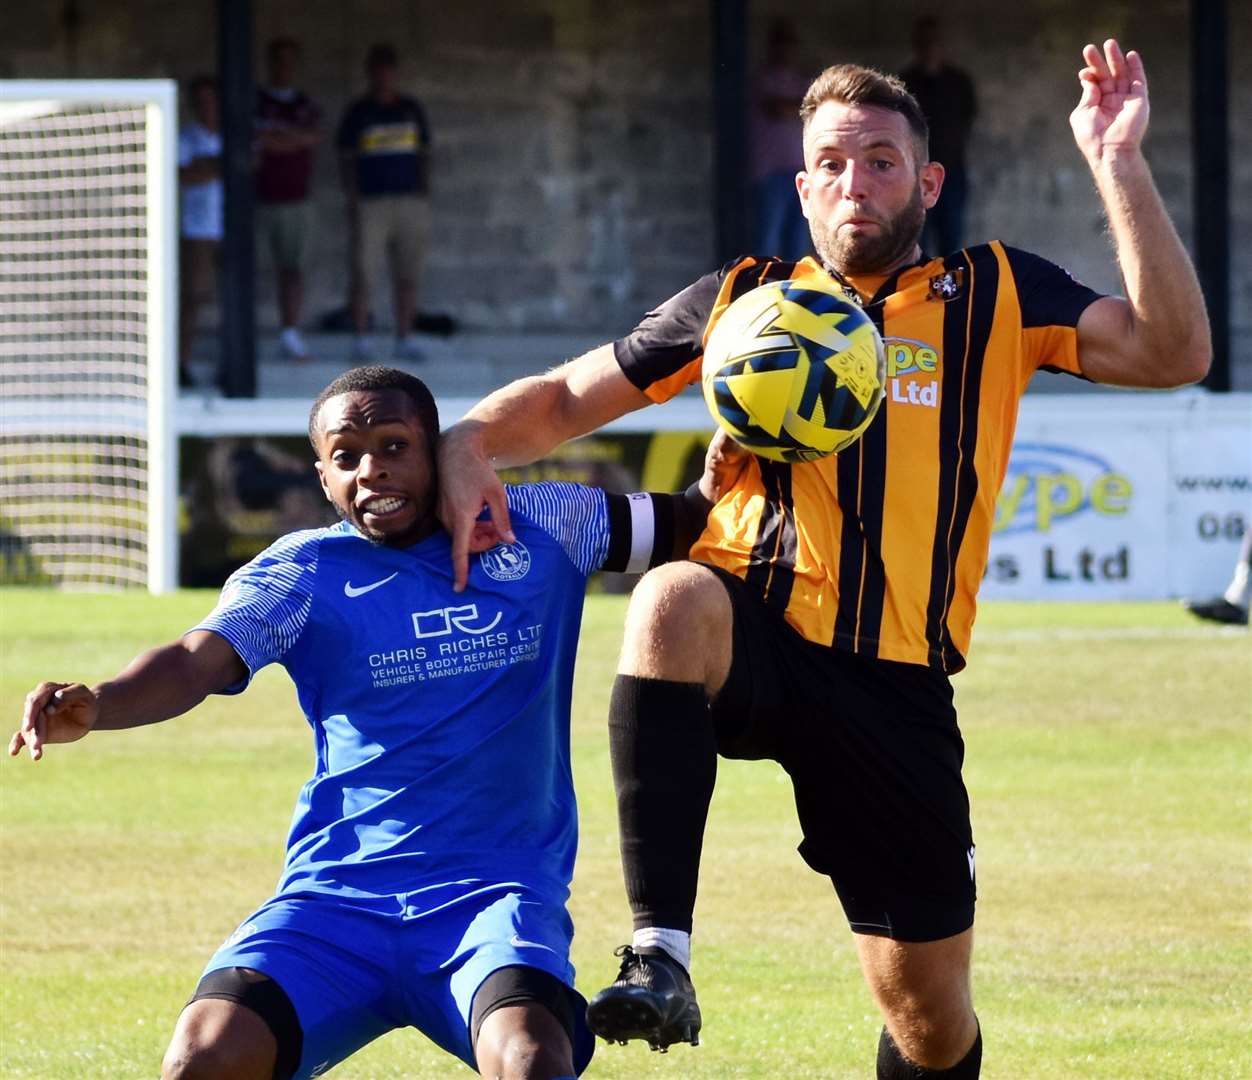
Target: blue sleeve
576 517
265 604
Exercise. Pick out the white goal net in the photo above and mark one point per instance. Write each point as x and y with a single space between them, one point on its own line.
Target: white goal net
88 271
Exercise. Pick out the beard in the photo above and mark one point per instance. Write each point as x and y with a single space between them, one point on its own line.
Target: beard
871 254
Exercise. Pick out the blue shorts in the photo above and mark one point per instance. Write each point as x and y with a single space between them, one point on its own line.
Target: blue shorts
353 974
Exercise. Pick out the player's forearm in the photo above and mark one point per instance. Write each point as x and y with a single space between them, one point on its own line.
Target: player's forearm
157 685
516 424
691 511
1167 315
529 418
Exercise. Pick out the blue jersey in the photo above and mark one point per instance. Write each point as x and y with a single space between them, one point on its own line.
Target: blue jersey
440 720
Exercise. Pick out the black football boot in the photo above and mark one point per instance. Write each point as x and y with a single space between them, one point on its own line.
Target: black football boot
652 999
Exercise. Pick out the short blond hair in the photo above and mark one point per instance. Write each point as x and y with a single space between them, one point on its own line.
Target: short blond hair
853 84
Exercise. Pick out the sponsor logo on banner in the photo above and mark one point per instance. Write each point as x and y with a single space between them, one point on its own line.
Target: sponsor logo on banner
1048 486
913 372
1065 520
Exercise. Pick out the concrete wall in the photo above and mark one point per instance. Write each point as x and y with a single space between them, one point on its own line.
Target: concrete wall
574 138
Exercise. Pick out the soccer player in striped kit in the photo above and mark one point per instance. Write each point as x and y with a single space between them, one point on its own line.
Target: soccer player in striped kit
827 603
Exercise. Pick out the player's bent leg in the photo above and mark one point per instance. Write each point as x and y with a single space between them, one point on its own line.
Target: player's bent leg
679 627
216 1038
923 990
523 1042
675 656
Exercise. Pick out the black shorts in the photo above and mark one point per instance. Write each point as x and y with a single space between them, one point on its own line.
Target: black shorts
874 755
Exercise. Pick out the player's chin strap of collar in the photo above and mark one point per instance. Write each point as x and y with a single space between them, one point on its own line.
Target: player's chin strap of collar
853 294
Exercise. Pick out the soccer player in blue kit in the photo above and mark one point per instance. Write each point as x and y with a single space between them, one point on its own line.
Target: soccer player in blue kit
430 854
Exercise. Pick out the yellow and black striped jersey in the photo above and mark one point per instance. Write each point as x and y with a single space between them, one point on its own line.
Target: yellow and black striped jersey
880 549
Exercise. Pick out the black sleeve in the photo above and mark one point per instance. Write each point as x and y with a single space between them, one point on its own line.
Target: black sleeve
670 336
641 531
1048 295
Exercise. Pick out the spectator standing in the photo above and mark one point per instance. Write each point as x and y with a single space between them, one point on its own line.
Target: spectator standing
948 101
777 154
200 212
289 128
384 146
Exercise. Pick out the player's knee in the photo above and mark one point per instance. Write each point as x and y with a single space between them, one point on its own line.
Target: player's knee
676 599
523 1058
678 626
216 1038
933 1030
189 1060
522 1055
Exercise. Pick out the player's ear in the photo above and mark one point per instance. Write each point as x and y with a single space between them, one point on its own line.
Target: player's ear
321 476
930 178
802 189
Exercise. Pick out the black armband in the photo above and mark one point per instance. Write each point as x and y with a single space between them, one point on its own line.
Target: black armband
641 531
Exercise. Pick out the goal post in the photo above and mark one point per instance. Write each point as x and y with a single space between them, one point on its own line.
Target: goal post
88 333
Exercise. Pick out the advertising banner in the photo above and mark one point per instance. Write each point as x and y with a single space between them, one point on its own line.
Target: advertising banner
1139 497
1080 516
1126 497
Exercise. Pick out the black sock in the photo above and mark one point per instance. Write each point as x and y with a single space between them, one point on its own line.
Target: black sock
893 1065
664 764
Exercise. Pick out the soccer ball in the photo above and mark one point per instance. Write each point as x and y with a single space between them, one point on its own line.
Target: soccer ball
794 370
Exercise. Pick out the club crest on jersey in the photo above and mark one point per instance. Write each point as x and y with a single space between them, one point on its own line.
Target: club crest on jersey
505 562
947 286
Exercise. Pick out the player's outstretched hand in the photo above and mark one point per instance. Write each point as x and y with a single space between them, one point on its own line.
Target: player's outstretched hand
723 462
55 713
467 483
1112 114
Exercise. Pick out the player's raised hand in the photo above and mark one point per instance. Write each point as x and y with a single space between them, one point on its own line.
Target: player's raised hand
54 713
1112 114
467 483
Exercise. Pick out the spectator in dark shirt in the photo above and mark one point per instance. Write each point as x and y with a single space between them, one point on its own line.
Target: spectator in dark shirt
384 145
777 150
200 212
946 96
289 128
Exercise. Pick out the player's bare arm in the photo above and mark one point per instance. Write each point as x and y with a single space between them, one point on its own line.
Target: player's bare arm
516 425
157 685
1158 336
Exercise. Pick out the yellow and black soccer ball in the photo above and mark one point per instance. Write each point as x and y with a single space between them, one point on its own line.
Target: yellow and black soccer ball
794 370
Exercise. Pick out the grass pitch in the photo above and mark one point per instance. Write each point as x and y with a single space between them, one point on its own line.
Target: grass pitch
1108 764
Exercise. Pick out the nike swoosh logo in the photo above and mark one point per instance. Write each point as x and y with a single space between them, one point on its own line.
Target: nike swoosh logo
351 590
519 943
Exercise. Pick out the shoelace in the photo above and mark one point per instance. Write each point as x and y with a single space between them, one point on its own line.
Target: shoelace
630 960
